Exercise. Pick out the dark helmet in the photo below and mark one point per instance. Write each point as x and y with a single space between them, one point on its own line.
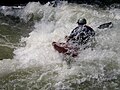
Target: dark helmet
81 21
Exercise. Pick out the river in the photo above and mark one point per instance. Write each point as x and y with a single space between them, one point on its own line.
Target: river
35 65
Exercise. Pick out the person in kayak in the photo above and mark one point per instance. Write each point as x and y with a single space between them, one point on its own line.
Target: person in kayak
82 34
80 38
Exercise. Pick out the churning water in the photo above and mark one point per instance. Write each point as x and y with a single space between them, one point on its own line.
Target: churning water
37 66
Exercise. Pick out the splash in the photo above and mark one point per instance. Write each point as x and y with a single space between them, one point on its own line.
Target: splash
45 67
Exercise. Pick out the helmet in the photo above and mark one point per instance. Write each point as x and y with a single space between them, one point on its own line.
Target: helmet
82 21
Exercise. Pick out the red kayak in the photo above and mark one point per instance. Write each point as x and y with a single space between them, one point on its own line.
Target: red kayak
65 49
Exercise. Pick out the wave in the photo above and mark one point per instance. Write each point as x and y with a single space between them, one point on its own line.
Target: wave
45 67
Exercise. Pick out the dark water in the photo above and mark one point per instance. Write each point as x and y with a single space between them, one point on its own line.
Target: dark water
11 30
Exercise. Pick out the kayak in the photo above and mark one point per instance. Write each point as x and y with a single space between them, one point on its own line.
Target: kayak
65 49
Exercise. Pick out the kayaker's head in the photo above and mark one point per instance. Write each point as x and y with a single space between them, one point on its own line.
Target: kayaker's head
81 21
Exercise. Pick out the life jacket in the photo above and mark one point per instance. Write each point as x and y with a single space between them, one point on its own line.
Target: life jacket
82 34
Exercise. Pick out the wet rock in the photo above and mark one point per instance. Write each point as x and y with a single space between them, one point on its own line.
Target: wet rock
24 2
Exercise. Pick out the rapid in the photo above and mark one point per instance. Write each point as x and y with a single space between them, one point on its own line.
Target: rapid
37 66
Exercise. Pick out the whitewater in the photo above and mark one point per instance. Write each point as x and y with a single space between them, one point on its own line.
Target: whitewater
37 66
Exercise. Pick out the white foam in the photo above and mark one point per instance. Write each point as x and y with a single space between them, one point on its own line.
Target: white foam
54 26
